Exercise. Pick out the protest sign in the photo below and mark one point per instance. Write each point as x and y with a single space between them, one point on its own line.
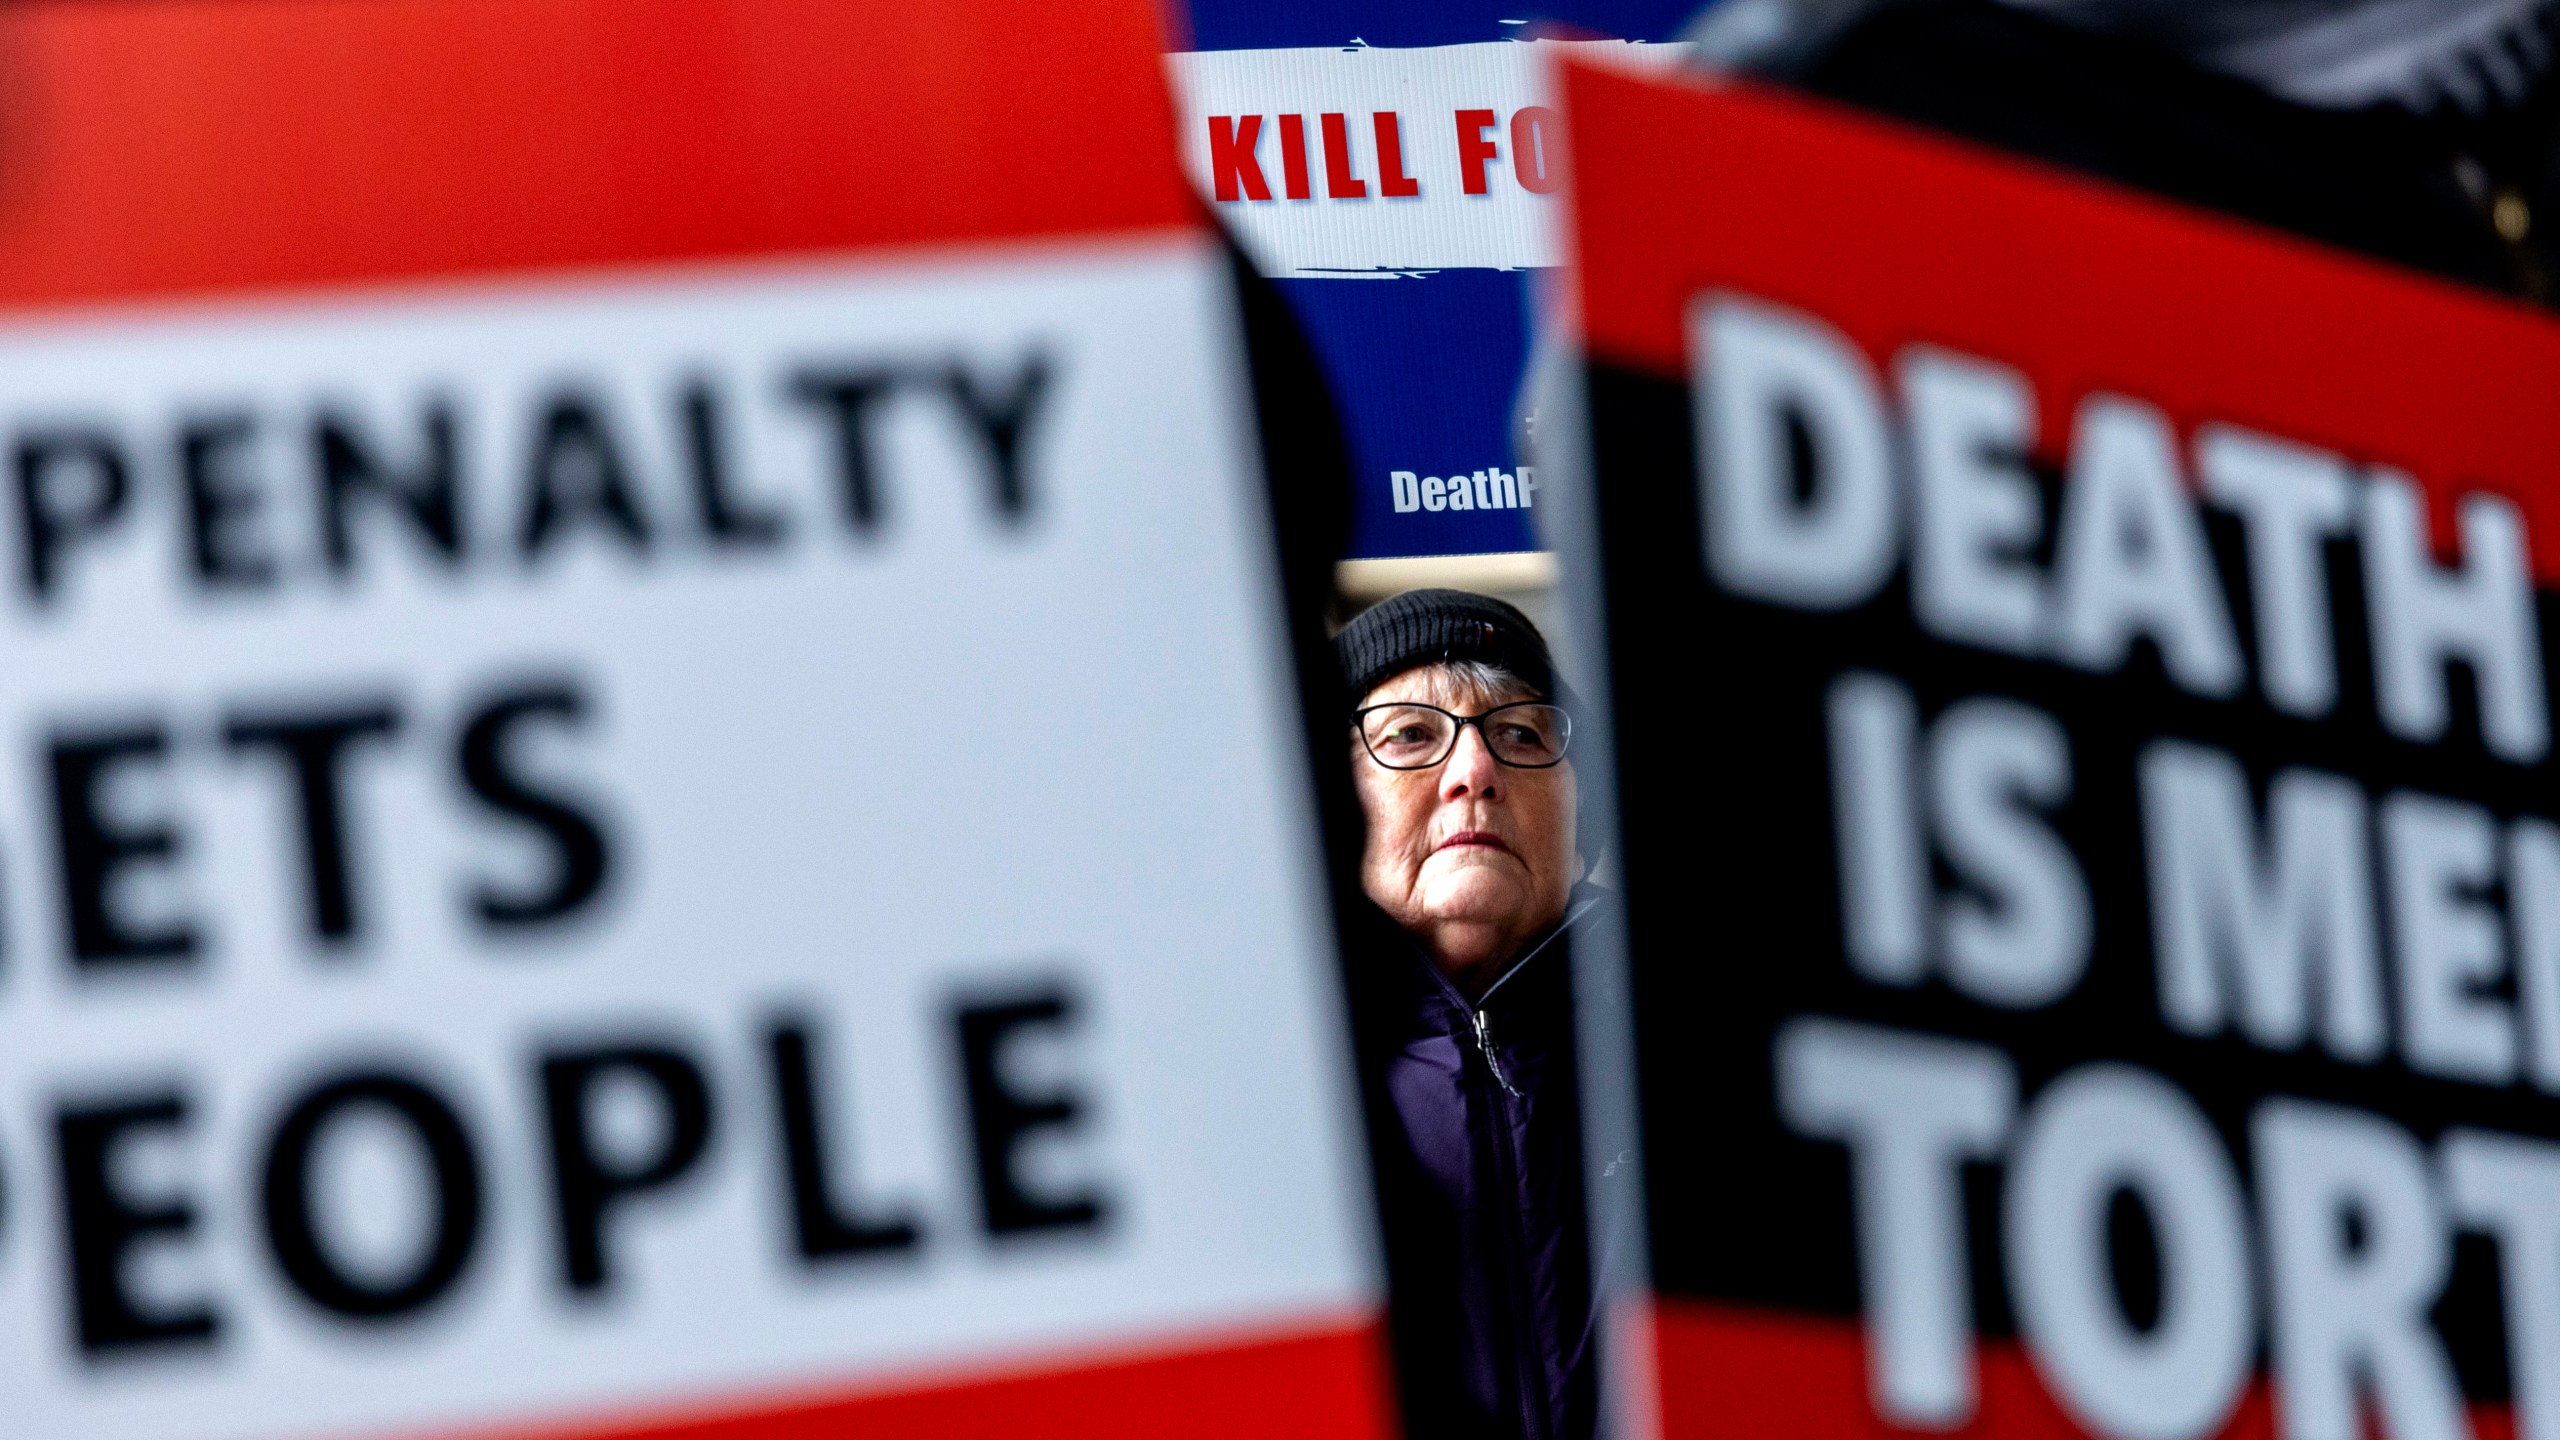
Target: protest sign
2080 715
1403 199
652 777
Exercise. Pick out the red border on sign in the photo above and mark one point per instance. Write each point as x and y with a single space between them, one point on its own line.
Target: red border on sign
1330 1381
1727 1370
157 147
1896 236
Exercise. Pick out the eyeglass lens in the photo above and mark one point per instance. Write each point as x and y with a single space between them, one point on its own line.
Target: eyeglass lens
1415 737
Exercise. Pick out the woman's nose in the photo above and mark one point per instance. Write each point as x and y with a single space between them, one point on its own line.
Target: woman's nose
1470 768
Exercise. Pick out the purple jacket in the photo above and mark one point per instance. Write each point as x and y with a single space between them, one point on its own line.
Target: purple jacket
1480 1180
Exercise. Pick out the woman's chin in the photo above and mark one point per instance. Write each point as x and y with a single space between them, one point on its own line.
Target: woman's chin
1474 893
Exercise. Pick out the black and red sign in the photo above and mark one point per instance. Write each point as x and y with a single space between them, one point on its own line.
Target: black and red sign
2081 716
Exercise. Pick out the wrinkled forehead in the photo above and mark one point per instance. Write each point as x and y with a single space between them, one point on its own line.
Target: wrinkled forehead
1461 688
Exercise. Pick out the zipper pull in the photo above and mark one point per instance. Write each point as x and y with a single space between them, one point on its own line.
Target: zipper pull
1492 1062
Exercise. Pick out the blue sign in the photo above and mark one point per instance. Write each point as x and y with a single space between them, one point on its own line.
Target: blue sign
1399 197
1425 369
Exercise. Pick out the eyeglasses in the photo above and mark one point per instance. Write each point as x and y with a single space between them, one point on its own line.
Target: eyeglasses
1529 735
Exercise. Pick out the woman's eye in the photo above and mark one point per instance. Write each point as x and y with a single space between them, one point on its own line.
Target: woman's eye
1406 736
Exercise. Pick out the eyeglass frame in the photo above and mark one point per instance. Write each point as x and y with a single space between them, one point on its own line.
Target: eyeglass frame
1459 728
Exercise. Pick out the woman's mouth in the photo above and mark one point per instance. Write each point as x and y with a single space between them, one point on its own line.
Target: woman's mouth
1485 838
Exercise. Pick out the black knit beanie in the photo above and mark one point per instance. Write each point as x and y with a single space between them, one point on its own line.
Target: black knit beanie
1426 627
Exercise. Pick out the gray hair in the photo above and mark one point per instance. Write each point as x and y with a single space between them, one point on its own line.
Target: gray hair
1483 677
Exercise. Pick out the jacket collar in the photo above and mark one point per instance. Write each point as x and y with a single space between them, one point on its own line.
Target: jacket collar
1578 907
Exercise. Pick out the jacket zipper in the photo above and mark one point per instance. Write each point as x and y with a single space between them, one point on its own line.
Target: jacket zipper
1492 1061
1528 1362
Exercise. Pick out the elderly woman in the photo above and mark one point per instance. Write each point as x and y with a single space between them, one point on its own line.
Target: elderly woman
1460 751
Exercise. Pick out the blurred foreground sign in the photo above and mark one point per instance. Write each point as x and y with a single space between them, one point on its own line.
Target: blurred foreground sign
2083 732
652 773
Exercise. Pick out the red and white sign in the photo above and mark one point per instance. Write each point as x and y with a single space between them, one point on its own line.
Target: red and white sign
1369 161
652 778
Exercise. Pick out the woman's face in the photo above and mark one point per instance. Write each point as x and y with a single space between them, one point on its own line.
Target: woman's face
1473 856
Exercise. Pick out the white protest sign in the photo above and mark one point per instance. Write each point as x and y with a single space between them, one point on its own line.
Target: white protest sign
666 831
